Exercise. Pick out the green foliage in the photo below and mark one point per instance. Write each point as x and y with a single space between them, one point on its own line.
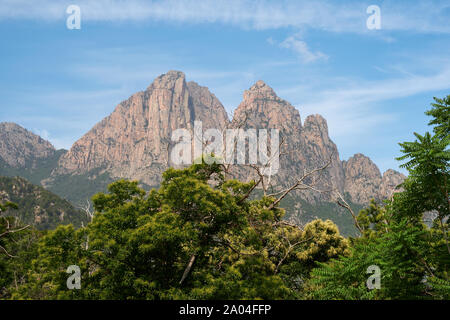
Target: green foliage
38 206
429 167
34 171
197 237
398 253
441 288
17 247
14 271
8 205
344 278
294 203
200 236
78 188
46 276
327 243
413 258
373 220
441 116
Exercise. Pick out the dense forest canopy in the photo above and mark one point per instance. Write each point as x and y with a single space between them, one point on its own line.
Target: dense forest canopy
202 236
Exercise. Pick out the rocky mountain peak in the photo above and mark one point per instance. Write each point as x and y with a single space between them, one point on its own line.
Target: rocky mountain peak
390 183
206 107
170 80
303 148
135 140
318 148
362 178
316 120
20 147
261 90
262 108
360 165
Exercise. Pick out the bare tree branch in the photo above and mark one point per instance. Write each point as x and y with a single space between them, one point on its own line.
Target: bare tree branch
298 183
245 197
8 231
7 253
341 202
290 248
87 209
188 269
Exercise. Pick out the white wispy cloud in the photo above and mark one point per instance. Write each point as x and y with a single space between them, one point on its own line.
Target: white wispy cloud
351 106
300 47
417 16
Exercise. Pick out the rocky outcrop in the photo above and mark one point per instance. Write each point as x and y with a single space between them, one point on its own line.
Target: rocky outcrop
206 107
304 147
134 141
20 148
362 178
390 183
319 149
261 108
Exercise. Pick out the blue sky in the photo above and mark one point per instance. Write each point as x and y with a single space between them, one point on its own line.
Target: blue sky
372 86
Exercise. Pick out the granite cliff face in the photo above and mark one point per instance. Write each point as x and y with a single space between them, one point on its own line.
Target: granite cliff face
309 146
318 149
134 142
261 108
304 147
362 178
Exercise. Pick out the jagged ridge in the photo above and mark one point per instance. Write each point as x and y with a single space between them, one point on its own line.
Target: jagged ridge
134 141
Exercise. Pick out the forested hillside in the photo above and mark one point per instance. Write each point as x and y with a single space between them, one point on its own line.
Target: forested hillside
37 206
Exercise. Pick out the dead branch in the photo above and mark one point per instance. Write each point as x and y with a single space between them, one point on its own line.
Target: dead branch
188 269
245 197
7 231
299 182
341 202
290 248
286 223
87 209
242 123
7 253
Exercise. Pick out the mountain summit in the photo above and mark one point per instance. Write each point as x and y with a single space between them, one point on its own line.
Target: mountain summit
20 148
262 89
134 142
